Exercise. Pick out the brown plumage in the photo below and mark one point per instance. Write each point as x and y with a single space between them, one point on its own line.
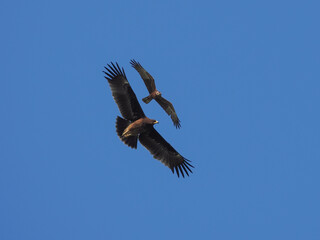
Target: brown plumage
136 125
155 94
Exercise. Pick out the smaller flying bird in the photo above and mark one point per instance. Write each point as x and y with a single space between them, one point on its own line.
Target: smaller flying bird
136 125
155 94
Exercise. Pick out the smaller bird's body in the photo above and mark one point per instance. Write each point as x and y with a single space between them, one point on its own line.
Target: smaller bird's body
155 94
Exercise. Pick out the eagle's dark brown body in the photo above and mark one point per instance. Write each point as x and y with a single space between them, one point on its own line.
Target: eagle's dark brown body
137 127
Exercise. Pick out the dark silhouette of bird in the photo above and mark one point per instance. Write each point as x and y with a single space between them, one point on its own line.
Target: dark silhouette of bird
135 125
155 94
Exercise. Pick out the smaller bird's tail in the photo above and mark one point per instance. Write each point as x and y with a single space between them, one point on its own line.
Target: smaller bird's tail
121 125
147 99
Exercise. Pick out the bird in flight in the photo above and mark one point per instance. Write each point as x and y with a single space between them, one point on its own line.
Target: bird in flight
136 125
155 94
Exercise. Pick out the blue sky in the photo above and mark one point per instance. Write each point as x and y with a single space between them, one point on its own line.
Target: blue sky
244 79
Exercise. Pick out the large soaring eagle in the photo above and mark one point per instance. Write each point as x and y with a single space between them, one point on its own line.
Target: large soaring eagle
155 94
135 125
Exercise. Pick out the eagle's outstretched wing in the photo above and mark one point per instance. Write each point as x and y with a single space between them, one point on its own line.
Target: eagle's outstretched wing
122 93
163 151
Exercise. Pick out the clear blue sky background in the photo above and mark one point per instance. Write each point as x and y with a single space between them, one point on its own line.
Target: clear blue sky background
244 78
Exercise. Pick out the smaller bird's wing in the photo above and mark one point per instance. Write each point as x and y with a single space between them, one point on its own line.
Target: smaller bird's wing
122 93
168 107
147 78
163 151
